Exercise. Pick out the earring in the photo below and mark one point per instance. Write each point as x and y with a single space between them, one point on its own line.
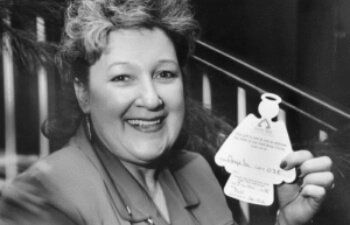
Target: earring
88 127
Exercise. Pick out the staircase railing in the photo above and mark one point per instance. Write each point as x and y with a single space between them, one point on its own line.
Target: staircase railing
324 114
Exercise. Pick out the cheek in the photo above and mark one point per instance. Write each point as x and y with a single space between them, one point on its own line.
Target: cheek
180 100
100 103
108 102
173 94
176 102
181 108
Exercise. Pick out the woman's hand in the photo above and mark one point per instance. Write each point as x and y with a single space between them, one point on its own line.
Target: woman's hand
300 200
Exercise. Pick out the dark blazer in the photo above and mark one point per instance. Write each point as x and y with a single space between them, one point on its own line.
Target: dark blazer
72 186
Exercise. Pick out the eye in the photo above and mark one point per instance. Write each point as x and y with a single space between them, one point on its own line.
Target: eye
165 75
122 78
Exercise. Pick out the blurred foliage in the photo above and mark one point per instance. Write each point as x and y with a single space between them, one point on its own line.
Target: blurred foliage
18 22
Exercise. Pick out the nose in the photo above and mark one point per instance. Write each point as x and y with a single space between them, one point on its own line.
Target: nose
148 96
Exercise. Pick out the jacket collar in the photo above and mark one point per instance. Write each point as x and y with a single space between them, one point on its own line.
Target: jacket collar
128 196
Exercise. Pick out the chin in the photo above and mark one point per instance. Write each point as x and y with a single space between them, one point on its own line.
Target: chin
154 160
152 157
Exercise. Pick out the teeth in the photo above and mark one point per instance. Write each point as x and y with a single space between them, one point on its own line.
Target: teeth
143 123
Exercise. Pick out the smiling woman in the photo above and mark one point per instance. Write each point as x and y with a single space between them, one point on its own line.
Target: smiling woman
123 118
135 98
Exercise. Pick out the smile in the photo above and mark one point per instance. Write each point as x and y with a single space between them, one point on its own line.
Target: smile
144 123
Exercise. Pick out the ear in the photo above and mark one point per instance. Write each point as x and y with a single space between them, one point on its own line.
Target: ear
83 96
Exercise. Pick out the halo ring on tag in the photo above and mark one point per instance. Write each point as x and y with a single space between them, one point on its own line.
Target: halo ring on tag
271 97
268 107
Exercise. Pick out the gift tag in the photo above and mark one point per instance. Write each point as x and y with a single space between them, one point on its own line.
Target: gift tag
249 190
255 149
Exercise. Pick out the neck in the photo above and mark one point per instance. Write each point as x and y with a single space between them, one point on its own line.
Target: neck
147 177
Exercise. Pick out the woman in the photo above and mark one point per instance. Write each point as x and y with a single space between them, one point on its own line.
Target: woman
123 162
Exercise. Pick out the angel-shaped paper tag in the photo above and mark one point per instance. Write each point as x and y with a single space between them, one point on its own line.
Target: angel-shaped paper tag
255 149
249 190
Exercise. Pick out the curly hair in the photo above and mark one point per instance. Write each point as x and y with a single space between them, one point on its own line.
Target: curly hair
87 26
88 23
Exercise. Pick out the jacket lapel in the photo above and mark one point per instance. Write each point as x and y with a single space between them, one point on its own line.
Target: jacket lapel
127 196
180 200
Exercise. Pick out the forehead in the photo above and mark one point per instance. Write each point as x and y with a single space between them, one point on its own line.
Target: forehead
138 42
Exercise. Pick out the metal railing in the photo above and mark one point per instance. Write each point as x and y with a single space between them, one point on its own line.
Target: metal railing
328 116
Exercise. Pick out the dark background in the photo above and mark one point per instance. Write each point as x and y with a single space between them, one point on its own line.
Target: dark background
304 42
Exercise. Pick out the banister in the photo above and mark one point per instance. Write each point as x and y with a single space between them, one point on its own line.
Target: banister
276 80
261 91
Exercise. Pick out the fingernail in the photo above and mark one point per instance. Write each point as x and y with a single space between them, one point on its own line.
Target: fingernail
283 164
298 171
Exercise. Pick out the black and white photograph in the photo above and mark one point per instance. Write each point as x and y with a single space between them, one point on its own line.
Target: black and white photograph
174 112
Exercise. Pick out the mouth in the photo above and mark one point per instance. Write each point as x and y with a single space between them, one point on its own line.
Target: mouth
146 125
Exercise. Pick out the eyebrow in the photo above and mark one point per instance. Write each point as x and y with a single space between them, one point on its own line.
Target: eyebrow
158 62
116 64
168 61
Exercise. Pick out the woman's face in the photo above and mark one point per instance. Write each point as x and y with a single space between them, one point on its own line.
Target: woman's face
135 95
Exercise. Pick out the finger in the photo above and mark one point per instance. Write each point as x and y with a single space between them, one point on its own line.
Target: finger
295 159
314 165
323 179
315 194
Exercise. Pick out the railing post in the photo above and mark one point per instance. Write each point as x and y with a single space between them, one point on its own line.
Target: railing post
241 114
322 135
206 91
282 115
241 104
9 95
43 90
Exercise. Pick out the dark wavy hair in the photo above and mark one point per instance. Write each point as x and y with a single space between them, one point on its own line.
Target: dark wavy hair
87 25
